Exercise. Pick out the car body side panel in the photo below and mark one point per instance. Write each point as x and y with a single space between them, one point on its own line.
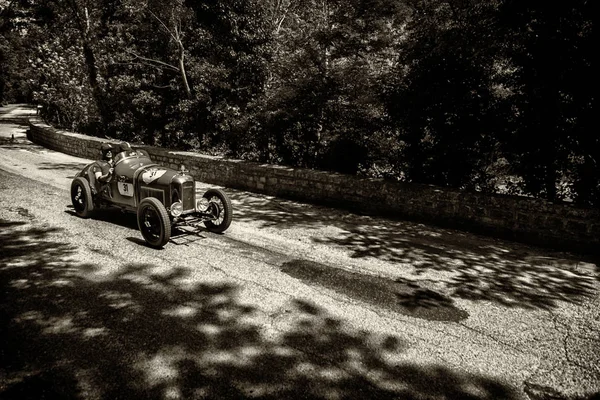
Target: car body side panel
84 171
136 177
156 182
122 184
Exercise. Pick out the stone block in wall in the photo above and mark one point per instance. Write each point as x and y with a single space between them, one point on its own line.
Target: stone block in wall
579 228
555 223
469 211
571 211
283 171
469 198
504 215
446 208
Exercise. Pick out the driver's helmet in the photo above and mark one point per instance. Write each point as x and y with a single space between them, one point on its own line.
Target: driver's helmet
124 146
106 148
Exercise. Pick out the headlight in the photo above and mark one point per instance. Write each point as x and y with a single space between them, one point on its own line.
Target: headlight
176 209
202 204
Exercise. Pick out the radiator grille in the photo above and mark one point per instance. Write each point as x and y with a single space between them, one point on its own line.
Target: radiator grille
188 195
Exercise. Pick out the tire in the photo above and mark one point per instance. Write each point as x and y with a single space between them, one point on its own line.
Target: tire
81 197
153 222
220 206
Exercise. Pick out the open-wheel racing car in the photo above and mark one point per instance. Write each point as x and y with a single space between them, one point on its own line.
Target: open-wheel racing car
162 198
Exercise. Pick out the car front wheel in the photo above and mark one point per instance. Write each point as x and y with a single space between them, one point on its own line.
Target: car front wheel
81 197
221 209
153 222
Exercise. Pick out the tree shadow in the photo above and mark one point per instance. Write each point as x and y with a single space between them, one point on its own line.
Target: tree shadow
180 235
479 268
111 215
400 295
140 335
21 143
66 166
474 267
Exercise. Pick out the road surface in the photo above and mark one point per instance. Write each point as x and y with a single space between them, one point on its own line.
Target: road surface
293 301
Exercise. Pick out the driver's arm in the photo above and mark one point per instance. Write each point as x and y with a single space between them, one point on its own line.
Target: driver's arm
104 177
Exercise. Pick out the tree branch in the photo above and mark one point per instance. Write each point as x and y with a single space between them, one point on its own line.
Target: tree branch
150 60
163 24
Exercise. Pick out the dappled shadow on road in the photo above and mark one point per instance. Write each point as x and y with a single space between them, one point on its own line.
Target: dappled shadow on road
401 296
69 169
20 142
65 166
110 215
473 267
23 144
69 333
28 245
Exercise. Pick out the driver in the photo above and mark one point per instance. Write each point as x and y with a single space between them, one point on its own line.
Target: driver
101 171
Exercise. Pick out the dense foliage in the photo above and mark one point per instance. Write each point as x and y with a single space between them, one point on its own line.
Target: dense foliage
490 95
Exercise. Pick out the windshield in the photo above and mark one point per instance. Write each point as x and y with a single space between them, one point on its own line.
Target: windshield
131 154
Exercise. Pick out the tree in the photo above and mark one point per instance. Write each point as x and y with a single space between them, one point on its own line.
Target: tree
441 98
49 27
168 18
321 108
551 142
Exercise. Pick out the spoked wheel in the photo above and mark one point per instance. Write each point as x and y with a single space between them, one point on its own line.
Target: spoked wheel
81 197
154 222
219 206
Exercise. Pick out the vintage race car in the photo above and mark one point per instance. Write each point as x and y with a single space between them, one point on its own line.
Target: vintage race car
162 198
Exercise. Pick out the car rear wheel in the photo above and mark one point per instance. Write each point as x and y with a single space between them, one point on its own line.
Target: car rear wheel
221 209
154 222
81 197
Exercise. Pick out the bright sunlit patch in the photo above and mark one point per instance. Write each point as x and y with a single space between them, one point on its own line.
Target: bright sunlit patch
86 385
15 263
172 393
58 325
161 368
476 392
333 374
284 351
181 311
139 279
250 351
221 357
119 301
306 368
61 283
94 332
219 299
209 329
30 316
20 284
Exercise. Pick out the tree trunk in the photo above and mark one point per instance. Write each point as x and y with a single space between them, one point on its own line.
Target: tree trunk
90 61
92 73
186 85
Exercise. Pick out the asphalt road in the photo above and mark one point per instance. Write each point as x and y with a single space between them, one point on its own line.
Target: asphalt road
293 301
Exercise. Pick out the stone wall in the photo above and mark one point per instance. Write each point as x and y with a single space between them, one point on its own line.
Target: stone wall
560 226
